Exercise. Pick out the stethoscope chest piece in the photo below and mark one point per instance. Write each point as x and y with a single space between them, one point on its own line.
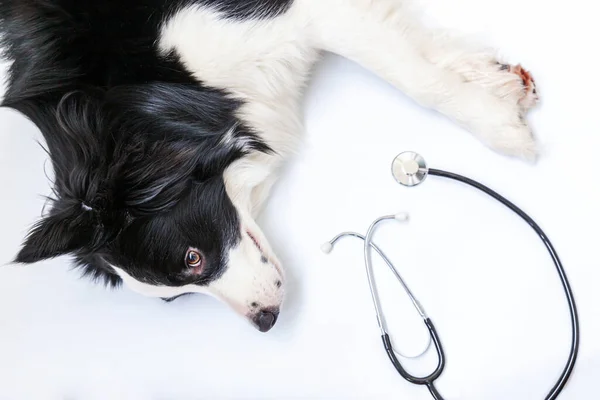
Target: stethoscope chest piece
409 169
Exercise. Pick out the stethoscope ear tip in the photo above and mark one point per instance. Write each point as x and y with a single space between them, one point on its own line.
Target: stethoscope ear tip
402 217
327 247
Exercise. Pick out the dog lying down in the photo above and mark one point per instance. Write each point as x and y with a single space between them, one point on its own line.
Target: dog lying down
167 121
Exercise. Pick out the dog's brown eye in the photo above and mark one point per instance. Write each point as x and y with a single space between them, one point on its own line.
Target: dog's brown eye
193 259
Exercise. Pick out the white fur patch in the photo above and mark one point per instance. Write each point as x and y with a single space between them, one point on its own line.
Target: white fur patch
248 280
265 63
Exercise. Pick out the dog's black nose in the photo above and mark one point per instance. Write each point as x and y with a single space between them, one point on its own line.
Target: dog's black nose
265 319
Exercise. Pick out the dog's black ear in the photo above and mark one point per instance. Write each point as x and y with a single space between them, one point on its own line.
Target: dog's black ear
65 230
72 129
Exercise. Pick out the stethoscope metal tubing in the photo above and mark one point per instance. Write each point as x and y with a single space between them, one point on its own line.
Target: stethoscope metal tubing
393 269
369 268
373 287
417 305
387 344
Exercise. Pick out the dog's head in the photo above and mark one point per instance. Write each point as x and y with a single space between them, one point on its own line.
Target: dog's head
140 195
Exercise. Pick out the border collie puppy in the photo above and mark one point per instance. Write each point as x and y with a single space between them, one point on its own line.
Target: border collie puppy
167 120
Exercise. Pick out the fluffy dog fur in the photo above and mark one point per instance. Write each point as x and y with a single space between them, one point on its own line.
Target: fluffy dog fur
166 122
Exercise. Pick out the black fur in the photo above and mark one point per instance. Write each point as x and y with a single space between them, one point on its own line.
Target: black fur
135 140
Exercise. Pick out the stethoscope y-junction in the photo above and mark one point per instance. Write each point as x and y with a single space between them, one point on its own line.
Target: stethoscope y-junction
409 169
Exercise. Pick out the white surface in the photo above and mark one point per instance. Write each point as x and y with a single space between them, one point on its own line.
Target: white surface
480 272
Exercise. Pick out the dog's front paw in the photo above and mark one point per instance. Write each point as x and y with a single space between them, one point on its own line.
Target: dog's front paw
516 141
513 92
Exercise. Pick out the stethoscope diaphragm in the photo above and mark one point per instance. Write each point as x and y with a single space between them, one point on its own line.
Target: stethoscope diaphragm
409 168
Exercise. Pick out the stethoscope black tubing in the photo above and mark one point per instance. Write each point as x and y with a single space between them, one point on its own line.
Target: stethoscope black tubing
427 381
411 378
564 377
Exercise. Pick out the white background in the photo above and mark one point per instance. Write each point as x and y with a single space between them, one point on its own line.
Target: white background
481 273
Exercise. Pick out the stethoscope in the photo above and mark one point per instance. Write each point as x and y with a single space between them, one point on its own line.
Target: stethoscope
410 169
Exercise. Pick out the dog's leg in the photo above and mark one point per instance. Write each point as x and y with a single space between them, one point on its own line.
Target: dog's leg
384 36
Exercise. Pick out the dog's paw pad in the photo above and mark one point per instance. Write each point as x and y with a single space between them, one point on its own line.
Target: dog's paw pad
528 91
531 95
